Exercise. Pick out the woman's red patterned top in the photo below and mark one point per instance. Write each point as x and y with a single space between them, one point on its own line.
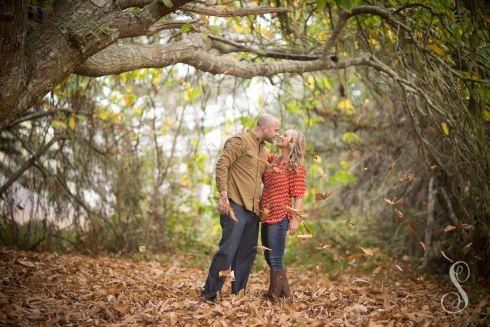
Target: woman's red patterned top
280 185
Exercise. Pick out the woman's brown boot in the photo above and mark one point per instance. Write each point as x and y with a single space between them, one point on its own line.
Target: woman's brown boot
274 284
285 291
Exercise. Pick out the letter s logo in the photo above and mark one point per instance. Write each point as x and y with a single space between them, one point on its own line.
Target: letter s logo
455 271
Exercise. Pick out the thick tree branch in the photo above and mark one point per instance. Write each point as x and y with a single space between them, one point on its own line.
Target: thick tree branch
193 51
215 11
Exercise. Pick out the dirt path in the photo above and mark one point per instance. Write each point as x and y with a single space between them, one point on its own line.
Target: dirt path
45 289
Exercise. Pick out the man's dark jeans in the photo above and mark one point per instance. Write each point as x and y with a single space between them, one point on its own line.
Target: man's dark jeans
237 248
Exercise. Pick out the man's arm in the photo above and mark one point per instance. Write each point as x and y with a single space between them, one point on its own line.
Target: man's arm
231 152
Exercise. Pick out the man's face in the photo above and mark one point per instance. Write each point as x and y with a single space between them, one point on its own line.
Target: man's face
271 131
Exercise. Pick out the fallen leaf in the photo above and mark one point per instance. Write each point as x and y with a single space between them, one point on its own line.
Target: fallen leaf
399 268
367 251
26 263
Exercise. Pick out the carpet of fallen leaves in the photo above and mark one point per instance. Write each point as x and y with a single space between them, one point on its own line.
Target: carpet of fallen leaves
47 289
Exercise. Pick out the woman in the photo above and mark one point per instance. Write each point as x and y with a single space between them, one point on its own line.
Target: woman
284 185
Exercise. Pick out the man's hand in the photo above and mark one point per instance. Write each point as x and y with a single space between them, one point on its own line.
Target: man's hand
223 203
293 225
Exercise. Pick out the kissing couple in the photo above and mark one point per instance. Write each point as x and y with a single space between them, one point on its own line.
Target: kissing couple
243 166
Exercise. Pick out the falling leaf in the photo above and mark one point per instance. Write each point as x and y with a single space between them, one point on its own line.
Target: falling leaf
465 226
398 213
445 128
141 248
449 228
354 256
349 223
322 196
407 176
410 227
466 248
232 275
435 48
399 268
71 122
368 251
232 213
392 167
352 155
265 248
225 273
377 270
445 256
305 236
394 202
325 246
422 244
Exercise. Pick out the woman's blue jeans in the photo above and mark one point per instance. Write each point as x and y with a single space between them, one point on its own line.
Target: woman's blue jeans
274 237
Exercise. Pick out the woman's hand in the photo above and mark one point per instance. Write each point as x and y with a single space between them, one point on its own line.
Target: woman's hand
293 225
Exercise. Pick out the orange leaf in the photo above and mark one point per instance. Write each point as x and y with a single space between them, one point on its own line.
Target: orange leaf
354 256
398 213
322 196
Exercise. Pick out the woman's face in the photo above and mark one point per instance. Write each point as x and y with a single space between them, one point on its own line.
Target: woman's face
284 140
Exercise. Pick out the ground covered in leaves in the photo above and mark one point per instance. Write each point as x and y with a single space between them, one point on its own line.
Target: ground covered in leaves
47 289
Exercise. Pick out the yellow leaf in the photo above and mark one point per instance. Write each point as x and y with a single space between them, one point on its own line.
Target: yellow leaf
72 122
445 128
58 124
486 115
435 48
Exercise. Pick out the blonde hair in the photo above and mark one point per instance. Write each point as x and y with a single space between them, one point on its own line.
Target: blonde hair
297 148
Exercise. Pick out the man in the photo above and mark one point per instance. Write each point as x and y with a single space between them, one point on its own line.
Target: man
238 178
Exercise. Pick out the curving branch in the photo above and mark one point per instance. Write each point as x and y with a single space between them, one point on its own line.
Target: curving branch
194 51
198 8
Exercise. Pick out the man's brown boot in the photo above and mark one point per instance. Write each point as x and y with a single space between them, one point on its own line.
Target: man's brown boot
274 285
285 291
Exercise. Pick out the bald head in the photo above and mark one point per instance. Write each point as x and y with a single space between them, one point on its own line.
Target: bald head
268 127
267 120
